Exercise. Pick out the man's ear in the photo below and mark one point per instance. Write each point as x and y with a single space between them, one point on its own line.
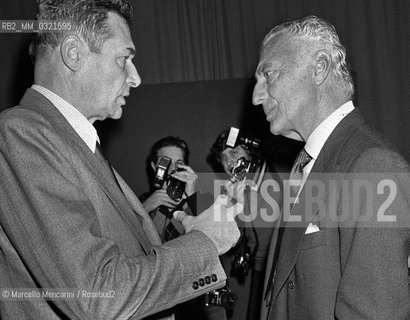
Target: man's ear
72 52
322 66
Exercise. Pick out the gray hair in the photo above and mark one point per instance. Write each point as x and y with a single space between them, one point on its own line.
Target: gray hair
87 18
312 28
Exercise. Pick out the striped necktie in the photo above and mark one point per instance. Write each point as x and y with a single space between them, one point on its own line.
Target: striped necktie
296 174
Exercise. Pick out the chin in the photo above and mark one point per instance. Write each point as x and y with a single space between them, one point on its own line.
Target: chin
117 114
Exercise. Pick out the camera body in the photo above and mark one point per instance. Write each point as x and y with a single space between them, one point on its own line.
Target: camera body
243 166
242 261
175 188
235 138
223 297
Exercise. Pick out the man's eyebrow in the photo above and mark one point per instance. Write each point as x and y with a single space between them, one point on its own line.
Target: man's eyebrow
131 50
260 68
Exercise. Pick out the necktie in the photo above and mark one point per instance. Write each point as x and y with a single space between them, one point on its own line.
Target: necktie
169 231
295 181
100 155
296 174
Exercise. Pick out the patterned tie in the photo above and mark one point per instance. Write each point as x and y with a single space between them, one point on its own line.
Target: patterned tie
296 174
295 181
169 231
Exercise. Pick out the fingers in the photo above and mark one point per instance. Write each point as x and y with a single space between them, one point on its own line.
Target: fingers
185 219
237 190
162 198
222 199
179 215
186 168
189 177
186 175
234 210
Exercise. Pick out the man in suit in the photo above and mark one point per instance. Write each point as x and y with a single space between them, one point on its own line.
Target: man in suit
338 252
69 224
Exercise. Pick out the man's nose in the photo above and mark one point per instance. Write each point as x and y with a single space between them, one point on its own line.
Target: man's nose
259 94
133 78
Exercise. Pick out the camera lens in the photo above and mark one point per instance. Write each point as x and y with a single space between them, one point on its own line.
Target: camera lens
175 188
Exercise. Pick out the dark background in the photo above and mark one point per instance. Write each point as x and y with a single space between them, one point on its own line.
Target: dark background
197 59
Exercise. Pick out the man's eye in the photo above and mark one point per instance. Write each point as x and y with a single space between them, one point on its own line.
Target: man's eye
267 74
122 60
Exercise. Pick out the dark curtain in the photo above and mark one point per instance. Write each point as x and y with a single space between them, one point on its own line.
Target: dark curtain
197 60
186 40
197 40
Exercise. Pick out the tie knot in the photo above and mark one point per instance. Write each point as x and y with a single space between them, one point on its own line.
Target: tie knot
296 174
99 152
303 158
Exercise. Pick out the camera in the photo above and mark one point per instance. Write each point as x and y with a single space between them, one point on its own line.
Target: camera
235 138
242 168
223 297
242 261
175 188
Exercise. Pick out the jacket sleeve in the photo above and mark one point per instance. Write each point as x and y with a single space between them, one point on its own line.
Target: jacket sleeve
52 227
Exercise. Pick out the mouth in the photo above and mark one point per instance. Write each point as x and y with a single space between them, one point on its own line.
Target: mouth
121 99
270 115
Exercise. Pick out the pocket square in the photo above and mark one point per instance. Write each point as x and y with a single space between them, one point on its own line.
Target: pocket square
312 228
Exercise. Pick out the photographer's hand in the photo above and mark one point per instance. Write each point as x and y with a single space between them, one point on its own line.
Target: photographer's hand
188 176
235 190
217 222
157 199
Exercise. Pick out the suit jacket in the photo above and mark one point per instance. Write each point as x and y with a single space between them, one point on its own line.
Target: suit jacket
65 225
355 266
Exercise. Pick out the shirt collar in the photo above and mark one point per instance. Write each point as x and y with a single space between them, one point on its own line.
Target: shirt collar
75 118
318 137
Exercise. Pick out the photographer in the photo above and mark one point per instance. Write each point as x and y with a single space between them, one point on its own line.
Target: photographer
251 252
161 201
158 203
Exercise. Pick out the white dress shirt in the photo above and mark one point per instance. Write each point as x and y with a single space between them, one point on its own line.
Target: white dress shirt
75 118
318 137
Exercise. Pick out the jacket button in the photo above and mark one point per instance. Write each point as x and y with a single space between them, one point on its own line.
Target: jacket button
291 285
207 279
214 278
201 282
195 285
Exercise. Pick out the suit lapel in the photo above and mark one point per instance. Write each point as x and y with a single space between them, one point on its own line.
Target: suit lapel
40 104
327 166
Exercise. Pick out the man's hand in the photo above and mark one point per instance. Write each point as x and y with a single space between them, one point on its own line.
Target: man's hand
157 199
217 222
189 177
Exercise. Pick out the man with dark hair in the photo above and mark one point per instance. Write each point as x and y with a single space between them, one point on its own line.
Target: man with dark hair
75 241
340 252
